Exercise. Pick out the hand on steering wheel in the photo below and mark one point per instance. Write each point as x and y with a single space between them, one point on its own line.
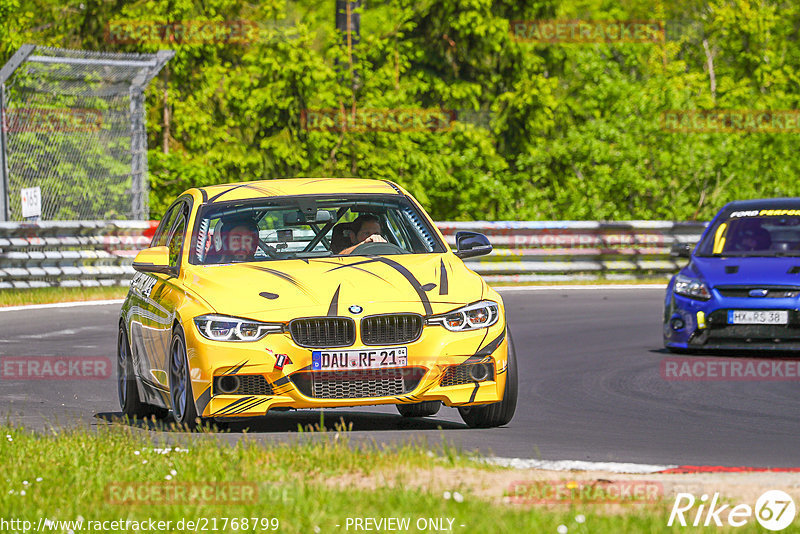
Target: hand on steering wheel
374 238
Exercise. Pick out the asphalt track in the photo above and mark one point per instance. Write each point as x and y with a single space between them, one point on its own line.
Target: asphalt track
590 389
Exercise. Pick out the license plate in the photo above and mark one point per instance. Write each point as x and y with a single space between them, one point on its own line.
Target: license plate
330 360
757 317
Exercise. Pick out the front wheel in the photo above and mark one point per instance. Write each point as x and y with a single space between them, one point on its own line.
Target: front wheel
184 411
498 413
419 409
127 392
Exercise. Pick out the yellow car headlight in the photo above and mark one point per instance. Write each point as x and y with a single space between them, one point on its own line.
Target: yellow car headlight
224 328
482 314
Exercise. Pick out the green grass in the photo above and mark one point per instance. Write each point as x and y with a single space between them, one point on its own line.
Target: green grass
68 476
47 295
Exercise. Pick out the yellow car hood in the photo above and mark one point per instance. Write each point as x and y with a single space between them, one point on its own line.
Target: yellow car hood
284 289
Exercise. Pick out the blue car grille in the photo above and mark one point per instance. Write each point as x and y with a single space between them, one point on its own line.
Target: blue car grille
771 292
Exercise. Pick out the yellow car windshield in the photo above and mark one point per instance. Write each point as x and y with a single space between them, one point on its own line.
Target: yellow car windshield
303 228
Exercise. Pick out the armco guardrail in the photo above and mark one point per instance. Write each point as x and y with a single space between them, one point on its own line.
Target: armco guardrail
95 253
533 251
70 253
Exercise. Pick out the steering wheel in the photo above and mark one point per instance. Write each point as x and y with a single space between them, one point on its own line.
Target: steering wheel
376 249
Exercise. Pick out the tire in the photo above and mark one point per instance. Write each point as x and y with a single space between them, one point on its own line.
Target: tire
184 411
498 413
127 392
419 409
676 350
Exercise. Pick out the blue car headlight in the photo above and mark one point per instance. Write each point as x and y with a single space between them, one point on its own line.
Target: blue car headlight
691 287
482 314
223 328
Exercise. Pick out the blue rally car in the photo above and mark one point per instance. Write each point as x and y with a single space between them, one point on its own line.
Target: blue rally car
741 288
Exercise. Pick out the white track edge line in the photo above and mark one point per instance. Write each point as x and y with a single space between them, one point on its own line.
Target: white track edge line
61 305
576 465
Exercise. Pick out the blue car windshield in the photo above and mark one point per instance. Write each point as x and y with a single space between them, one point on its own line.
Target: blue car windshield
757 233
306 227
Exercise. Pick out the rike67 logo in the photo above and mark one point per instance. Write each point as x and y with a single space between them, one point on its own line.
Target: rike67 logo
774 510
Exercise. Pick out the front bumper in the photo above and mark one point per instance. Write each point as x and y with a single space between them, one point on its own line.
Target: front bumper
705 324
429 375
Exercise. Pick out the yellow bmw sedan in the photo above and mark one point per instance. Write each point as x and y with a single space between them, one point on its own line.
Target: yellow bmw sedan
307 294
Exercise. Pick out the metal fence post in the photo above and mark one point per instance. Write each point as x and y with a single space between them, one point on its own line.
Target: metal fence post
5 213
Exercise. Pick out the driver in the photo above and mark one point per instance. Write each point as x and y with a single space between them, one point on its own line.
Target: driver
238 240
367 229
752 236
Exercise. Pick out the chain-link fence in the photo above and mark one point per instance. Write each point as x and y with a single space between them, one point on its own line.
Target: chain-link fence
74 126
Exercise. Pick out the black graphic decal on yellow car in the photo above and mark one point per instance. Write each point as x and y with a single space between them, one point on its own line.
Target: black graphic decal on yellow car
423 297
289 278
248 186
239 406
333 309
236 368
353 265
492 346
443 287
474 392
203 400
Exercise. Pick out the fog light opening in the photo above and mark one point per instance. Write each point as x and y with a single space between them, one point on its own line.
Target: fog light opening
479 372
228 384
677 323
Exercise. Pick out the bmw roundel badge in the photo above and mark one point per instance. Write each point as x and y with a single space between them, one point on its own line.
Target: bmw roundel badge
355 309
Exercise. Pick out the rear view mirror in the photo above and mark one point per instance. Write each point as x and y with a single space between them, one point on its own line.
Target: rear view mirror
301 217
471 244
681 250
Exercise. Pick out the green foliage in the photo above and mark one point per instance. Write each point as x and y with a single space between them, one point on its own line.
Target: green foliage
545 130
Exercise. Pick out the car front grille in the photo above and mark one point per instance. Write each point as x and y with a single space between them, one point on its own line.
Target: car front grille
360 384
391 329
772 292
458 375
248 385
323 332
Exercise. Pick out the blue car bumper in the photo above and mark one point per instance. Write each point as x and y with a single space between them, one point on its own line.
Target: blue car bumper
696 324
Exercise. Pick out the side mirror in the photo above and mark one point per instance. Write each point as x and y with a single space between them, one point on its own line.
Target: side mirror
154 260
681 250
471 244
